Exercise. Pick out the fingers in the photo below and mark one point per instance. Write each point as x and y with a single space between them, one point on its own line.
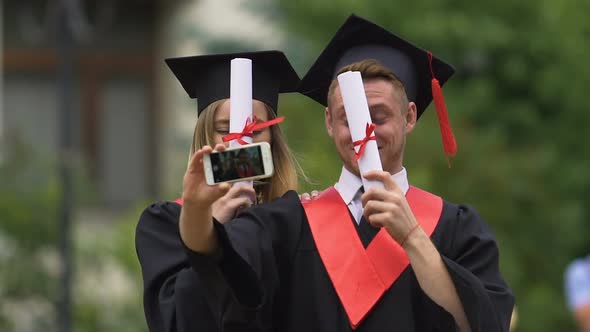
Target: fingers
383 177
378 220
244 189
195 164
219 191
375 207
240 189
379 194
239 203
219 147
307 196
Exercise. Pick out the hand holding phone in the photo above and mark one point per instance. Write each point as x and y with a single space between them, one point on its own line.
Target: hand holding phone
243 163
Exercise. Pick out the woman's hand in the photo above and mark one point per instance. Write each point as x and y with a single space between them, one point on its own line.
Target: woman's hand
196 225
196 193
238 197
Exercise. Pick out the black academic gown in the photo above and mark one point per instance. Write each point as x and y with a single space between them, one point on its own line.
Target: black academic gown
174 296
271 270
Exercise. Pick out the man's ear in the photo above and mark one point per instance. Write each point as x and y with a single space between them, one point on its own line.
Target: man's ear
328 120
411 117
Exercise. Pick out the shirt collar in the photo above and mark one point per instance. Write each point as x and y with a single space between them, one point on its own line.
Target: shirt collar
349 184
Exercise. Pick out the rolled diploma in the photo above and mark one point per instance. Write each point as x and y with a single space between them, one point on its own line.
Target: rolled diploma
240 100
357 115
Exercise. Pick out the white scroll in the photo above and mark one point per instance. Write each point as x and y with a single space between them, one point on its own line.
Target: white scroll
240 97
358 116
240 100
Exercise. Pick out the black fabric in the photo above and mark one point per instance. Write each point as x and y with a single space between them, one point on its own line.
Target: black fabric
175 296
273 244
359 39
207 77
366 232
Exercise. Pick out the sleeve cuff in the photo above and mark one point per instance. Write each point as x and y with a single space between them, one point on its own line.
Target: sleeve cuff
228 265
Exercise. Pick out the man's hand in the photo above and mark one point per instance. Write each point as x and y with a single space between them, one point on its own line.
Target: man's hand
387 207
308 197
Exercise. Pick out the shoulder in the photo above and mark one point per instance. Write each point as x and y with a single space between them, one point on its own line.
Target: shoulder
162 216
577 282
577 269
453 214
461 227
289 202
161 210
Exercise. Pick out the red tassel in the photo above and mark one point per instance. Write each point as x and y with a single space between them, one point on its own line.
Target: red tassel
448 139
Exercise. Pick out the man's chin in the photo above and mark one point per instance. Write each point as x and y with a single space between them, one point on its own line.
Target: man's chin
353 168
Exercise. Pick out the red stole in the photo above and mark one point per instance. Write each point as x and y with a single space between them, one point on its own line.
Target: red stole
245 171
361 276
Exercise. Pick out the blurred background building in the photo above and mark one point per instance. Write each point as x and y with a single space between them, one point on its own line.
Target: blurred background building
115 118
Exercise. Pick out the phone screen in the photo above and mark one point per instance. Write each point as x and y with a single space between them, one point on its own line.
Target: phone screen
237 164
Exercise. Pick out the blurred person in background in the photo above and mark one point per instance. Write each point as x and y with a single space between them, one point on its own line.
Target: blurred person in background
393 258
577 291
174 297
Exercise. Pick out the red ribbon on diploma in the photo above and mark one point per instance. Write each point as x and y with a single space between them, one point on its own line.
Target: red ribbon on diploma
249 128
363 142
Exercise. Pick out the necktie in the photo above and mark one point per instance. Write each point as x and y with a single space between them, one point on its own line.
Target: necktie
365 230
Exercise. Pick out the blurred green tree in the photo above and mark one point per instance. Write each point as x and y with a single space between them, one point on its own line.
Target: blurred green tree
107 280
519 111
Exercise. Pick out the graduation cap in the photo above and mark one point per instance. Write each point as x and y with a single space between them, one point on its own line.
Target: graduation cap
421 73
207 77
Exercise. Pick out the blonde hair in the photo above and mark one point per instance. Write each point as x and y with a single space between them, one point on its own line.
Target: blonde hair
286 167
373 69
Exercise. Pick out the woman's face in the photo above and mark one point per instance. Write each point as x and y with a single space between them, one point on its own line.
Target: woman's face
221 123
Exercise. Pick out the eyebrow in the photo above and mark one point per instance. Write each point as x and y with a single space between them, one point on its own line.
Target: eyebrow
222 122
378 106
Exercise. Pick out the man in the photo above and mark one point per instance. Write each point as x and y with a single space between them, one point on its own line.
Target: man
396 258
243 165
577 291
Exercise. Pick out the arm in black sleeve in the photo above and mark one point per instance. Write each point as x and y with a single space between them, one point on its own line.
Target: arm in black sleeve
254 249
174 297
471 257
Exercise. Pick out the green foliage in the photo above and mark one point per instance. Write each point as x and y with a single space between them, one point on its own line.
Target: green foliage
107 288
517 105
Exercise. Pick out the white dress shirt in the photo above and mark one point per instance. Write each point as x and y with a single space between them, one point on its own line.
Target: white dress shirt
349 184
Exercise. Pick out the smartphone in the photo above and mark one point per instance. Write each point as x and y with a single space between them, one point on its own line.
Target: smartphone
243 163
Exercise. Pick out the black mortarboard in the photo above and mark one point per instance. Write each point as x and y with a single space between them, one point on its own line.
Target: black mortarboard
207 77
358 39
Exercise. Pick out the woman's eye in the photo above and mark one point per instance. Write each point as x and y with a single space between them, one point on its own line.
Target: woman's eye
222 131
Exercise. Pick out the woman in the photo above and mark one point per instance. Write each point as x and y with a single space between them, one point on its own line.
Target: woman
215 125
174 298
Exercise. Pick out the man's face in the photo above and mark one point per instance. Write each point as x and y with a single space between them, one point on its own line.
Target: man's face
392 124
